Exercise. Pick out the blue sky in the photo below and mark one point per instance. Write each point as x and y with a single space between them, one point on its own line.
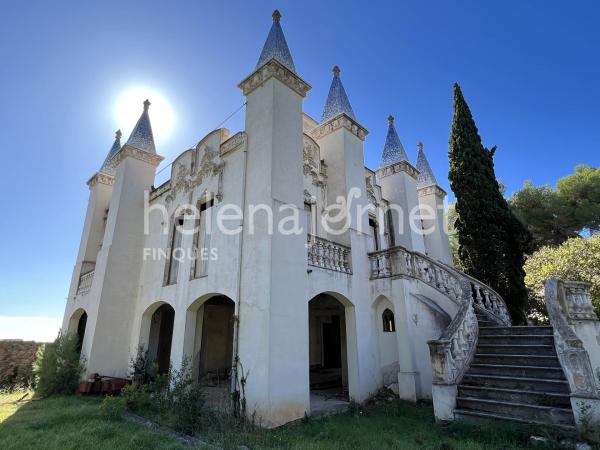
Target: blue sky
529 70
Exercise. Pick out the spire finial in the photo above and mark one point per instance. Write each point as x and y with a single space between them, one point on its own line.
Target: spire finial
391 119
420 146
336 71
146 104
118 134
276 15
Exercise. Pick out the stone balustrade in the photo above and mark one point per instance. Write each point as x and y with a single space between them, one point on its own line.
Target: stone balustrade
452 352
577 301
398 261
563 299
86 277
328 255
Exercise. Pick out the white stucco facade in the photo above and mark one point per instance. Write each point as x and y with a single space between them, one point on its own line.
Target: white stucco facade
292 317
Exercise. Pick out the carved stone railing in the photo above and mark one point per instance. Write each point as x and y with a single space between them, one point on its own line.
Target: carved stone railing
398 261
86 277
567 300
577 303
328 255
452 353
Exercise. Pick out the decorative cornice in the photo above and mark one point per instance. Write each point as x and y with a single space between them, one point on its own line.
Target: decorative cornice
101 178
128 150
431 189
341 121
163 188
401 166
233 143
274 69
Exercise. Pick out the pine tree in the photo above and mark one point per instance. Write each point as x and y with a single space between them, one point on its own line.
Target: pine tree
492 242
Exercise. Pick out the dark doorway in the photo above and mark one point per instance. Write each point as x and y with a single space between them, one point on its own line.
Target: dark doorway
327 345
161 336
332 344
216 348
81 331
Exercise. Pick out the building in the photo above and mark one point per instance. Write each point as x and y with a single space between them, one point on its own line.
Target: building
202 267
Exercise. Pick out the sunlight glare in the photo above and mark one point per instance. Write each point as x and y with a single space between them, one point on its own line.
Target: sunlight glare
129 107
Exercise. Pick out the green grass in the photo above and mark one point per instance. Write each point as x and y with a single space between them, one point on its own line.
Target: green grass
71 422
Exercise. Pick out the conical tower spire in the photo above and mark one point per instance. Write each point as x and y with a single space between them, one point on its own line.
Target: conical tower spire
276 46
425 177
141 137
337 101
393 151
107 167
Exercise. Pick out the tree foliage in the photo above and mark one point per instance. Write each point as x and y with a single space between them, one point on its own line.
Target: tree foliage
576 259
555 215
58 366
492 241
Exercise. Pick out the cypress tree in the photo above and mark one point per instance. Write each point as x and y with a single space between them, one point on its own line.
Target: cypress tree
492 242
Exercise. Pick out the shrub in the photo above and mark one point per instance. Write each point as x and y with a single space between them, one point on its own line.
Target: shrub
176 396
141 368
58 366
577 259
113 407
186 399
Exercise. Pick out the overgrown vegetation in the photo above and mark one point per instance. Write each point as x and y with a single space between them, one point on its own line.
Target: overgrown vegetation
58 367
577 259
492 241
175 398
382 423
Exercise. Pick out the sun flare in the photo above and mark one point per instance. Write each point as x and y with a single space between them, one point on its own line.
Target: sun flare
129 106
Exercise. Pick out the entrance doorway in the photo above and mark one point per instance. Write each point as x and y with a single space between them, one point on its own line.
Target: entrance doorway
161 336
328 361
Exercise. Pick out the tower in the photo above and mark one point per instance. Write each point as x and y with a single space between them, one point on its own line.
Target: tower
273 281
431 197
399 185
111 246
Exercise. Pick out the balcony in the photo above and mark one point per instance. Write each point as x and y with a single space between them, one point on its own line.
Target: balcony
86 277
328 255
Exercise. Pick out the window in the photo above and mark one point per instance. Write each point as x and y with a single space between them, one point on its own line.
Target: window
389 326
374 232
175 252
202 240
390 227
311 220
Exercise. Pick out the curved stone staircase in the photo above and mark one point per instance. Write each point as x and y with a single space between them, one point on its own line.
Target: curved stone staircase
515 375
485 368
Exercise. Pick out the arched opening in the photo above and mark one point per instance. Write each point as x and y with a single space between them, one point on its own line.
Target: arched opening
389 324
77 325
328 355
161 336
208 343
387 343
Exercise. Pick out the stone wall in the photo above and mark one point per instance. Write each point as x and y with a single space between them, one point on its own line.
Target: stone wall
16 358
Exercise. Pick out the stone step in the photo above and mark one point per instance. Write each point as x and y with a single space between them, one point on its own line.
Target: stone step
505 370
521 383
479 416
524 411
544 331
516 360
523 339
516 395
520 349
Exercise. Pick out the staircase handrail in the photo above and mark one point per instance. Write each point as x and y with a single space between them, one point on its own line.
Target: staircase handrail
452 352
572 355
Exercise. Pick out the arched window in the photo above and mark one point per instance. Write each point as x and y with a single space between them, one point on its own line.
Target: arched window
389 326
